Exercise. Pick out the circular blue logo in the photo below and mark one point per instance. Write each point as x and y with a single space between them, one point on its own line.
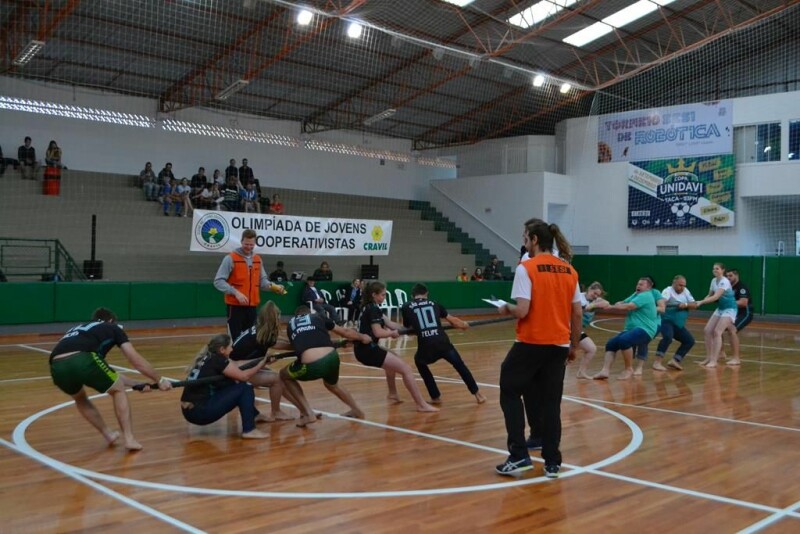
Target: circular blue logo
212 231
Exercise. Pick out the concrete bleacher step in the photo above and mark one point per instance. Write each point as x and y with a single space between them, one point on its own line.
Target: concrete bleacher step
136 242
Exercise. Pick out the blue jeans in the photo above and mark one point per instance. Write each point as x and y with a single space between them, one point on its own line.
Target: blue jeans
628 339
669 330
223 401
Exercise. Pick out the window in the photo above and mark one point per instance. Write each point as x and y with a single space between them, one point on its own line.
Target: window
666 250
757 143
794 139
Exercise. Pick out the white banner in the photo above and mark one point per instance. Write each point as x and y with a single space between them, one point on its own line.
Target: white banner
221 231
673 132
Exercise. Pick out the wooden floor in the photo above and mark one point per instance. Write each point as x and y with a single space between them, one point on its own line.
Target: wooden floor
696 451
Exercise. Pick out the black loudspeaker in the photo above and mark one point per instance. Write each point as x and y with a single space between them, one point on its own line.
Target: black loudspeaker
369 272
93 269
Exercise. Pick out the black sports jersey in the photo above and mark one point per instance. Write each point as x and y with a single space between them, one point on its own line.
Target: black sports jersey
370 315
247 347
309 332
424 316
741 291
208 365
97 336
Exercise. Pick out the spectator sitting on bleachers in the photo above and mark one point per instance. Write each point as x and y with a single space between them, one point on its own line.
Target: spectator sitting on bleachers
477 276
324 272
198 181
147 181
184 191
276 206
164 176
203 200
278 275
218 178
171 197
28 165
463 276
245 174
248 198
52 157
232 170
492 271
230 195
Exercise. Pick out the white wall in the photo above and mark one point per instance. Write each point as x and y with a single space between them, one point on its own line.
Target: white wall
103 147
492 208
590 203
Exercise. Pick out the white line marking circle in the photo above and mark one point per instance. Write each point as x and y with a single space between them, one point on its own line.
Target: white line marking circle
21 442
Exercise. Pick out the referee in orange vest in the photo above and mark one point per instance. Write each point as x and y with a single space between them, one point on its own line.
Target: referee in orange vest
240 277
548 312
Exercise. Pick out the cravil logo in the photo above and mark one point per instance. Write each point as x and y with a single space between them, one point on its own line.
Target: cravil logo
212 231
377 236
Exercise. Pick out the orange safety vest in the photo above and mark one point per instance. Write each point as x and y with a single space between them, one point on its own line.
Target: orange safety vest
246 280
550 316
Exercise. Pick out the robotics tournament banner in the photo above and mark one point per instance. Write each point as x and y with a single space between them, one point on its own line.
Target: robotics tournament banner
672 132
221 231
681 193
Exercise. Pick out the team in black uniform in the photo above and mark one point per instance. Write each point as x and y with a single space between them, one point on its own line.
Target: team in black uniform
317 359
424 317
78 360
376 325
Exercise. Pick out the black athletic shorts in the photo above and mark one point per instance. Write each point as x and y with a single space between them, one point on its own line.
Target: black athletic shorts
372 355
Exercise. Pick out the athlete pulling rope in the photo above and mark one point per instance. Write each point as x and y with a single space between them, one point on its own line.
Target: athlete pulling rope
248 365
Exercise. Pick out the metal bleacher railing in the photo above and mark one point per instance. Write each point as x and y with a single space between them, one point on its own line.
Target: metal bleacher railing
42 258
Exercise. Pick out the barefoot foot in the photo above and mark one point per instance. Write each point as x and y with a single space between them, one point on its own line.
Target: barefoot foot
132 445
281 416
395 398
602 375
354 414
581 375
480 398
111 436
658 367
427 408
637 371
264 418
625 375
736 361
675 364
305 421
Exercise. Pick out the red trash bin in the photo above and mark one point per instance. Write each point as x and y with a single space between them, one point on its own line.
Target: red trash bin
52 181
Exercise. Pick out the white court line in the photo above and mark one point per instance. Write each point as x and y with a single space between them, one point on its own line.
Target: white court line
789 349
36 349
21 441
19 438
9 380
62 468
755 527
692 414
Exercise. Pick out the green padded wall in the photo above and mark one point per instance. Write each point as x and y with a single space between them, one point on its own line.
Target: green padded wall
47 302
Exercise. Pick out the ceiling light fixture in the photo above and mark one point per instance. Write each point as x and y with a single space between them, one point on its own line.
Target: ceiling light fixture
538 80
354 30
385 114
565 87
30 50
304 17
235 87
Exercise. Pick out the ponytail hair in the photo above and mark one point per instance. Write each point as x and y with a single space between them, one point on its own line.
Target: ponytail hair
547 234
268 324
369 292
215 344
